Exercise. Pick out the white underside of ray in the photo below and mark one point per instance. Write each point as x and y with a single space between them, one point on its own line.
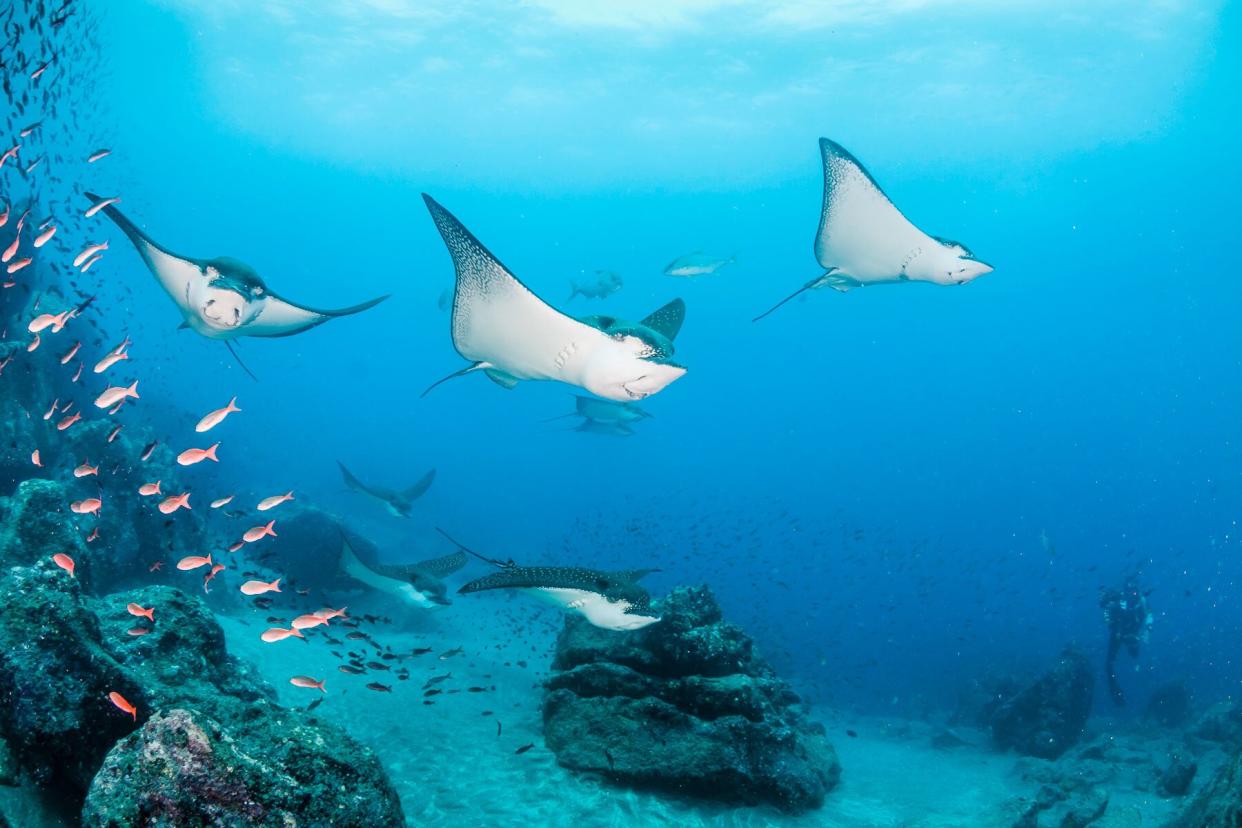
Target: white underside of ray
360 572
596 608
174 275
276 316
514 331
861 233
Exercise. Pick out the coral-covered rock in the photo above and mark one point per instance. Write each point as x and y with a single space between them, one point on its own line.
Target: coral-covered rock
1219 804
684 706
1047 717
37 523
55 678
1169 705
185 769
1176 778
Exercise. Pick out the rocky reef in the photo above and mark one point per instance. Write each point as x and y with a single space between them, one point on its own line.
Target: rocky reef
200 713
684 706
184 768
1047 717
1219 804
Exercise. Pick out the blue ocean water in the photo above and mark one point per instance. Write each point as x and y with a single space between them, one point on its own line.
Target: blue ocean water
895 490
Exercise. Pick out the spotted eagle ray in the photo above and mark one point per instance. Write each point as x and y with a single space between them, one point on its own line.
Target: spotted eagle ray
398 504
510 334
658 329
863 239
223 298
610 600
419 583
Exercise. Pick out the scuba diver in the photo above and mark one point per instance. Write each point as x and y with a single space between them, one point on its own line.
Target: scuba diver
1129 623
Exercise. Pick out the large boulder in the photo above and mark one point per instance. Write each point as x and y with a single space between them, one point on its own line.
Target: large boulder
36 523
686 706
183 768
55 677
1219 804
1048 717
62 653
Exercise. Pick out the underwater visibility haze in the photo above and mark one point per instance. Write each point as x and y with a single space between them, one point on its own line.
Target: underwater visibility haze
704 412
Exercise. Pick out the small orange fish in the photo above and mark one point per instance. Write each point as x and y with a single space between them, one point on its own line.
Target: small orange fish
305 622
89 506
64 562
171 504
47 320
216 504
237 546
11 250
193 562
99 205
259 587
71 353
112 435
215 570
20 264
68 421
123 705
85 470
77 375
110 360
308 682
44 237
87 252
155 566
216 417
327 613
148 489
274 501
34 344
138 610
52 410
34 458
196 455
98 154
115 394
138 630
91 262
259 532
93 536
277 634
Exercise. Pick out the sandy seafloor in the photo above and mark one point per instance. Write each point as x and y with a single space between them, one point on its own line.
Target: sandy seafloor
451 769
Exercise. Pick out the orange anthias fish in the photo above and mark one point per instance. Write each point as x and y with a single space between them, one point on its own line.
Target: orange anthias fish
89 506
196 455
274 501
64 562
123 705
93 536
259 532
138 630
68 421
305 622
148 489
259 587
216 417
44 237
156 566
48 320
71 353
138 610
216 504
34 458
89 251
308 682
115 394
99 205
237 546
110 360
86 470
277 634
215 570
171 504
327 613
193 562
